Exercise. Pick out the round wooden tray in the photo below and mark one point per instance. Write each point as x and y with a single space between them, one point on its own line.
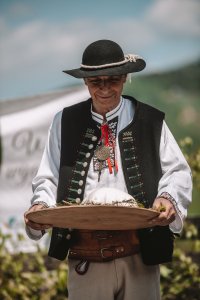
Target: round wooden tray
97 217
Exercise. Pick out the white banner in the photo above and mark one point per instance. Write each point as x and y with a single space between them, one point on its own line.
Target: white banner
23 136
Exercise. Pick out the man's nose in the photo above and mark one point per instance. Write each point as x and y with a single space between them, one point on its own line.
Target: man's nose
105 83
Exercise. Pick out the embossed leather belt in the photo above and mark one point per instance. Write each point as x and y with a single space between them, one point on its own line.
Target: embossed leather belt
101 246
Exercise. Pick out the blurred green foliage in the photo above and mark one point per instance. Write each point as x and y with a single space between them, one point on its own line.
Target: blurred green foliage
193 158
30 276
180 279
192 155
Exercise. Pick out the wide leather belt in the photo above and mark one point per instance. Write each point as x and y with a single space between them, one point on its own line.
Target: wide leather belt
101 246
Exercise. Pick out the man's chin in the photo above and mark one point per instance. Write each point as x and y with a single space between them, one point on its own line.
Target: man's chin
103 99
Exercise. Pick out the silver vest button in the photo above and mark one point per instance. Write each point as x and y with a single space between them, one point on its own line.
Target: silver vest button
79 191
94 138
78 200
68 236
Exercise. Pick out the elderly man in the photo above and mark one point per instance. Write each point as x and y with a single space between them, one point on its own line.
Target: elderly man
112 141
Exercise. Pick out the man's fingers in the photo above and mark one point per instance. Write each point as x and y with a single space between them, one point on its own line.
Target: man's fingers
165 218
166 214
165 222
37 226
32 224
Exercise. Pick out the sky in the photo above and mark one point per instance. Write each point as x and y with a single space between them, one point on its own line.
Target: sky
40 38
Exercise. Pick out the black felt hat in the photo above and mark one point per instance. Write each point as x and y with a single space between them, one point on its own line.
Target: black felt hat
105 57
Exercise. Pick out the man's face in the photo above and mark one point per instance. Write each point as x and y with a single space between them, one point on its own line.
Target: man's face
105 92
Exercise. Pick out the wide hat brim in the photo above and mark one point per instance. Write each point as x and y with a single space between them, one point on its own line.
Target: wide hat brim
128 67
94 217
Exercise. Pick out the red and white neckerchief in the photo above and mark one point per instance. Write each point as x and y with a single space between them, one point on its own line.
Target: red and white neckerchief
105 154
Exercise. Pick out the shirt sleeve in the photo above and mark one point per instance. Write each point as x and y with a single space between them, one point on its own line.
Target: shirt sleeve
176 179
45 183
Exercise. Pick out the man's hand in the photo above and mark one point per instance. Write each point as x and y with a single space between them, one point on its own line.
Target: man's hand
34 225
167 212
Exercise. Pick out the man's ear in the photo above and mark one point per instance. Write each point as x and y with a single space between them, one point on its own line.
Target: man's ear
124 78
85 81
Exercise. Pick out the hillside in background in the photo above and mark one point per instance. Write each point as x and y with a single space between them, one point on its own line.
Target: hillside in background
177 93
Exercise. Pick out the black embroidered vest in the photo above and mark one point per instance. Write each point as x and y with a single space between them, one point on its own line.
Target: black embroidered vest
139 147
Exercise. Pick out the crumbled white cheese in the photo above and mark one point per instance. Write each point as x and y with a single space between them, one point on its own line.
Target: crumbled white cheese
109 196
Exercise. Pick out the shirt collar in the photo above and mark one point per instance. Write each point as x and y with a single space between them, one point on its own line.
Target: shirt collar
109 115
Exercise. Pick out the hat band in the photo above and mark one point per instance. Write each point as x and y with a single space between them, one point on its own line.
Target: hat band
127 58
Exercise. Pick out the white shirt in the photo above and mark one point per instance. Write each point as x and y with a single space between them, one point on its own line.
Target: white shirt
176 179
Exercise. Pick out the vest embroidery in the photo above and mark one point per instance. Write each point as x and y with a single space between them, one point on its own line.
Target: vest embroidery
131 167
77 184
